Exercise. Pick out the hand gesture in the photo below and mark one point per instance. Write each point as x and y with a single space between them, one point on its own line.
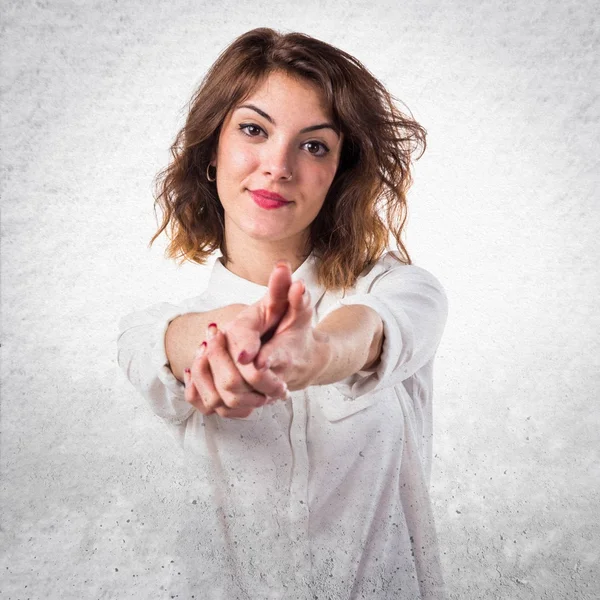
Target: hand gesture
297 352
214 382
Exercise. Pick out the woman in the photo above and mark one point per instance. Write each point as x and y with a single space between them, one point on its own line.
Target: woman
302 391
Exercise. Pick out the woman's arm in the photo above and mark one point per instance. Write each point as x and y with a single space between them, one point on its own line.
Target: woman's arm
355 339
390 329
413 308
141 353
348 340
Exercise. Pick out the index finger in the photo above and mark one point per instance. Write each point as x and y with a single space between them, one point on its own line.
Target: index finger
276 301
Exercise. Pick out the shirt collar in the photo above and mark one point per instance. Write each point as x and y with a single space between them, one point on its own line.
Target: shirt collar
229 288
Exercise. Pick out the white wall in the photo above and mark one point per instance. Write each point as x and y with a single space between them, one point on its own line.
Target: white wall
504 212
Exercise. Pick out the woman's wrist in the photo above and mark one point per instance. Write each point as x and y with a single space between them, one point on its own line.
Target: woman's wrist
354 341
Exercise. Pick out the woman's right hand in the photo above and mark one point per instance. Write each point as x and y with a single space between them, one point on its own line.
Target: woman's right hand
214 382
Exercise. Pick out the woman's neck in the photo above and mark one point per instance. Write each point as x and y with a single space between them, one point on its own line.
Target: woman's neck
256 260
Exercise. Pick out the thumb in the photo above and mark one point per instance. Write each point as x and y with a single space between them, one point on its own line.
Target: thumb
299 312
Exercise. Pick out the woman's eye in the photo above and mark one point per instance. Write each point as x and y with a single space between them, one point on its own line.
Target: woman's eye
313 147
251 130
317 148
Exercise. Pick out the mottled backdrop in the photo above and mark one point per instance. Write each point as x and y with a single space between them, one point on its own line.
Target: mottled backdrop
504 212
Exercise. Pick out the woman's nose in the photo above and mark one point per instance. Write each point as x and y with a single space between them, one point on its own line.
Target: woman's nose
277 162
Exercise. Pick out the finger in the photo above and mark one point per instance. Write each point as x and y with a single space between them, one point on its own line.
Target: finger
279 284
298 296
284 398
299 311
243 334
234 413
241 413
275 301
192 396
202 378
256 325
298 315
231 387
272 308
264 381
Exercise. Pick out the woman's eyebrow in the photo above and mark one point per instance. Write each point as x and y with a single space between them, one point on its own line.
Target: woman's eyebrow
262 113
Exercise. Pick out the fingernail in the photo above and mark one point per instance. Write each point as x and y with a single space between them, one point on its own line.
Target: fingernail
212 330
200 350
283 263
186 376
242 357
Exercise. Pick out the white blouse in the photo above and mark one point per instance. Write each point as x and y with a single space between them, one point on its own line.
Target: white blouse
326 495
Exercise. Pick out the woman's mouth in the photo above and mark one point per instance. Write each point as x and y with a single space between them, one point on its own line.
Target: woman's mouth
268 200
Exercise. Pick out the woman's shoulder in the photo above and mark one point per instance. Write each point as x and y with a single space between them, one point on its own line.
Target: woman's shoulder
391 265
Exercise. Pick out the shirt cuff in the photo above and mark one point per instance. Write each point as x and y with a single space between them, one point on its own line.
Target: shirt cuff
179 408
160 360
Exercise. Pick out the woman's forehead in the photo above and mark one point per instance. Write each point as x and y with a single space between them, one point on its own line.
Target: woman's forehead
279 85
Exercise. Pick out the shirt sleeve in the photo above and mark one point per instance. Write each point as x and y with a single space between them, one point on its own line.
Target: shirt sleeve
414 308
142 357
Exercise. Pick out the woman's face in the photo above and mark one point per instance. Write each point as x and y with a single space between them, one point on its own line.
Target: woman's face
280 130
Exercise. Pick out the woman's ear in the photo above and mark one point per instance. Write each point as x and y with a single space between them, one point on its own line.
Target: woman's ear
214 151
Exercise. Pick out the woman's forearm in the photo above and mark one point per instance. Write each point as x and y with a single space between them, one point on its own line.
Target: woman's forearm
187 332
355 340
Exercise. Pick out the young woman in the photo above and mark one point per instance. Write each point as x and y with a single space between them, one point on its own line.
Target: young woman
300 382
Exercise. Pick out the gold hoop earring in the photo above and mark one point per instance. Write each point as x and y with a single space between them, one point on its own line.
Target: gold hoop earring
208 173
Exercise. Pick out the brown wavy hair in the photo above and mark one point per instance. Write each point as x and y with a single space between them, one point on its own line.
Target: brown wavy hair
367 198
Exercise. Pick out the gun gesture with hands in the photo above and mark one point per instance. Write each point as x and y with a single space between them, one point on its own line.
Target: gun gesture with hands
267 350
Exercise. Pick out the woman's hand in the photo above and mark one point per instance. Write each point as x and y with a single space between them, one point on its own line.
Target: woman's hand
257 323
269 348
214 383
297 352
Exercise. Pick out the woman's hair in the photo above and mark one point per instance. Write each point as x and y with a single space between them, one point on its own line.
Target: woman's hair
367 198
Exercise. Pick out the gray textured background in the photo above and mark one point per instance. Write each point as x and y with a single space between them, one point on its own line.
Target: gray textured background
504 212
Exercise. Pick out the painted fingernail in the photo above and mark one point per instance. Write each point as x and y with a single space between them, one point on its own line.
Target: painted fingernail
186 376
242 357
212 330
200 350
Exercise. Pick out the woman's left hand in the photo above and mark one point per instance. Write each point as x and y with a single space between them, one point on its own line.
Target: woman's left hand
297 353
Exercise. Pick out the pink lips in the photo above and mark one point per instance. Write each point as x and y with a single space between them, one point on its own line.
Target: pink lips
268 200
